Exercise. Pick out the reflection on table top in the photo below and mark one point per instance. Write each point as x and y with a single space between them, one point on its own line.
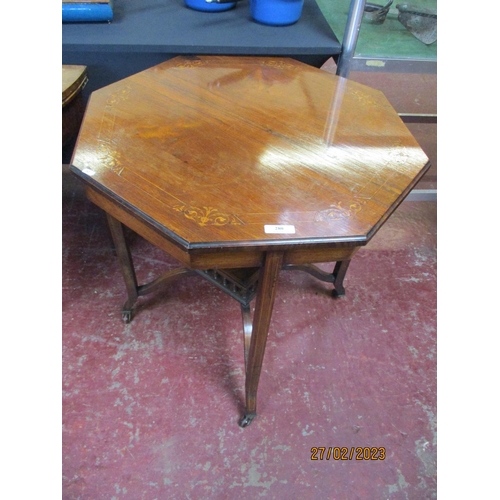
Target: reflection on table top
214 151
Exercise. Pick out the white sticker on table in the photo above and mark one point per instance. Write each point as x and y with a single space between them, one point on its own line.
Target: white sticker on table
279 229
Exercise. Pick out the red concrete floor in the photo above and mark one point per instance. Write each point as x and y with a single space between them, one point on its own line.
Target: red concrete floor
150 409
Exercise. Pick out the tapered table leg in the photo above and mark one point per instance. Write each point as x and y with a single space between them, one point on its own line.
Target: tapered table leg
247 330
266 292
126 265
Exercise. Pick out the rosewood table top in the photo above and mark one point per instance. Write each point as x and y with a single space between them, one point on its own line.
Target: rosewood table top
246 162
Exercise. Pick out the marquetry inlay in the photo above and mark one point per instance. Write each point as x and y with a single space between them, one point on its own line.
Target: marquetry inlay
207 216
337 211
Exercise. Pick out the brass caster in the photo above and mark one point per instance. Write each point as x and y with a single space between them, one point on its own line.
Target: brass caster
246 420
127 316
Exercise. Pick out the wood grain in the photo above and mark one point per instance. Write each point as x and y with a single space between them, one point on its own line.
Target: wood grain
212 149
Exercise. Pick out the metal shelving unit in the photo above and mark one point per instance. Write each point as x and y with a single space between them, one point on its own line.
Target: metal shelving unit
387 47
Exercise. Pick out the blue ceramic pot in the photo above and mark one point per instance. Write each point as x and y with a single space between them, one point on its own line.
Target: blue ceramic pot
276 12
209 7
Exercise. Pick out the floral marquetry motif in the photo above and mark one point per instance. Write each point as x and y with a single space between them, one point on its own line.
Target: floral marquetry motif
337 211
207 216
364 98
189 63
108 154
278 64
120 95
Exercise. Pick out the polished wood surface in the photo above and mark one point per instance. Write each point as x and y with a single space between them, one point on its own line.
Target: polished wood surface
74 78
213 149
244 162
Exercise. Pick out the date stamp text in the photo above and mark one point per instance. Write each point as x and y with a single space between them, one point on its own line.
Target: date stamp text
344 453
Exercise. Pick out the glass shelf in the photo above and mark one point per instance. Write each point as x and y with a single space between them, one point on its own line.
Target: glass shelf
386 46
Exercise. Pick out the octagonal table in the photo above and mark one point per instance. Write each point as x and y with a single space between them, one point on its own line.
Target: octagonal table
240 167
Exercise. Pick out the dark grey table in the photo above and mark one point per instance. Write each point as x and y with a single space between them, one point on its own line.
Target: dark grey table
144 33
